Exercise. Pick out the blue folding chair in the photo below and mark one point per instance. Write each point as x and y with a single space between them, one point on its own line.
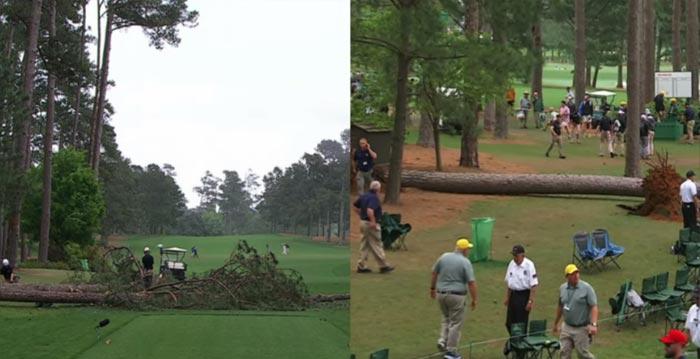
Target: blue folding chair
584 252
602 243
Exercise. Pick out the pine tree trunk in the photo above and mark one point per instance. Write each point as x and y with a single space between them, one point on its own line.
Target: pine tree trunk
436 139
691 10
580 51
537 53
595 76
621 59
22 129
98 121
469 152
490 116
48 147
635 22
328 222
98 69
79 87
393 188
589 78
676 36
341 217
501 121
425 132
649 53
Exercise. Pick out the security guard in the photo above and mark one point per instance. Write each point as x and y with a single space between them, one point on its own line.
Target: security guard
578 305
521 280
689 199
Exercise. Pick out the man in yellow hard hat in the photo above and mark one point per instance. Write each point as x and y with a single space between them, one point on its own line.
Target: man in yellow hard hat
452 279
674 111
578 305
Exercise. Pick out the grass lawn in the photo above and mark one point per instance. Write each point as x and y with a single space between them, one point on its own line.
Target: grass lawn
395 311
66 331
528 146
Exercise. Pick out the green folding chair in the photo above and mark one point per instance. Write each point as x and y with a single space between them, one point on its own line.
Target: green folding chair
649 292
518 346
682 282
675 315
692 260
380 354
662 286
537 338
393 232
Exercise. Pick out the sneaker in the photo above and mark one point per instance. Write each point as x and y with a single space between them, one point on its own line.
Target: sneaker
452 355
612 155
364 270
506 349
387 269
441 346
562 157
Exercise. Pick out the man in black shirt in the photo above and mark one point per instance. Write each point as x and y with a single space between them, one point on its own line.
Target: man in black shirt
605 129
7 272
555 130
659 105
369 207
147 261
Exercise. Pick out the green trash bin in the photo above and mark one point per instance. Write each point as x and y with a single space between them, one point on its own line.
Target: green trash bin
482 231
84 263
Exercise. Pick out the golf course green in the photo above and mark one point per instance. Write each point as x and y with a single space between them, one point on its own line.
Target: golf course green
68 331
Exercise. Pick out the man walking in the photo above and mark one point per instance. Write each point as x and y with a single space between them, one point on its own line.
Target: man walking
555 130
370 210
147 262
578 305
619 127
452 275
606 139
692 321
538 106
675 342
524 107
364 165
689 116
521 284
689 199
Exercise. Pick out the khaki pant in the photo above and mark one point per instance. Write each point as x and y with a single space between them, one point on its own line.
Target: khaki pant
575 338
605 143
363 180
619 143
371 242
556 140
452 308
690 125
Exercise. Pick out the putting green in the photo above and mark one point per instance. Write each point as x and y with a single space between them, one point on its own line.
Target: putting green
220 335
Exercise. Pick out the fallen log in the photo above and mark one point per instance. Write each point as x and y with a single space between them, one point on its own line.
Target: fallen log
522 184
75 288
328 298
39 296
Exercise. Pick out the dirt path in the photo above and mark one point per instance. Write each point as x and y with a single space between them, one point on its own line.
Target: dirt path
421 158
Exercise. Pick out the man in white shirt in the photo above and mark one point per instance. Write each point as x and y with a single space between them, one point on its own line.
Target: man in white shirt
692 321
689 199
521 283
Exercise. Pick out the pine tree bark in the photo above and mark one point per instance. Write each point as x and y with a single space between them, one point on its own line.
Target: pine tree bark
490 116
45 226
691 10
595 76
621 59
79 87
580 50
635 23
501 128
676 36
538 56
425 132
469 149
21 130
393 188
649 52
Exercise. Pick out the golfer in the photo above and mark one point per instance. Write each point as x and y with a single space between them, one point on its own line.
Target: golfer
7 272
689 199
370 210
675 342
451 276
579 307
147 261
521 284
364 165
692 321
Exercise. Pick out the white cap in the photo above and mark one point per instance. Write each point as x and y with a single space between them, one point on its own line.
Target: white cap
647 111
5 262
146 249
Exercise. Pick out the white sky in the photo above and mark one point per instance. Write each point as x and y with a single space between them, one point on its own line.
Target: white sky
255 85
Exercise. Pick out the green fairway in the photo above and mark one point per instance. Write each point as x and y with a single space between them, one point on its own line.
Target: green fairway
65 331
545 227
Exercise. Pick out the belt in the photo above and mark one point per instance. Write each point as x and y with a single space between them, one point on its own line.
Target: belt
689 203
520 291
576 326
451 292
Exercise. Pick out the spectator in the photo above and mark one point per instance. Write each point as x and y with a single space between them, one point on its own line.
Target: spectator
195 253
659 105
605 129
578 305
147 261
7 271
569 93
538 106
651 123
575 119
673 111
285 249
692 321
555 131
675 342
524 108
565 114
363 164
619 127
689 199
452 279
689 116
644 136
511 98
370 210
585 111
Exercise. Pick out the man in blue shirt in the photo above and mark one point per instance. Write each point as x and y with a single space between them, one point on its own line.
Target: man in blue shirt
363 163
369 208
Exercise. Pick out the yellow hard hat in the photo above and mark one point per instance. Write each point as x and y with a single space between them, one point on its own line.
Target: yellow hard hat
570 269
673 100
663 93
623 103
463 243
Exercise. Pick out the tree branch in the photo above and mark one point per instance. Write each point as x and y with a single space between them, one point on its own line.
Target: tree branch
376 42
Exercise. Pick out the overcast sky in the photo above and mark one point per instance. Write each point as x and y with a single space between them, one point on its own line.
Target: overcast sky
255 85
